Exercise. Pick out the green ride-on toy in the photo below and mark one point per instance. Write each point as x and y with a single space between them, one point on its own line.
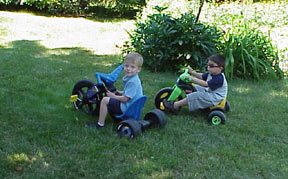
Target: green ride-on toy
183 87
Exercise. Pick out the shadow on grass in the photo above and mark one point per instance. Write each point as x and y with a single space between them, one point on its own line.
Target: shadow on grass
29 70
36 83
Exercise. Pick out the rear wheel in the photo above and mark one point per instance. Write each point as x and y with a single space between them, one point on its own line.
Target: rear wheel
227 106
216 118
89 106
156 117
129 128
164 93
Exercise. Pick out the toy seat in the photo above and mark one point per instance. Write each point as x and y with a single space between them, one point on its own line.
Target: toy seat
134 110
109 78
221 105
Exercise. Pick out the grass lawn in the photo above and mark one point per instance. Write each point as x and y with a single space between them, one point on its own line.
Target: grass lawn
42 136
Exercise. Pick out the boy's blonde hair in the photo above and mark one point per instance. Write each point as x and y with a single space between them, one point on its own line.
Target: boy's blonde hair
135 58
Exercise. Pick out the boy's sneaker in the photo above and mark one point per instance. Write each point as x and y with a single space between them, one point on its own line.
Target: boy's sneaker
169 105
93 125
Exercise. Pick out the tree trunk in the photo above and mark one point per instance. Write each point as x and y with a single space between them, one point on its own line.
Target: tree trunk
199 11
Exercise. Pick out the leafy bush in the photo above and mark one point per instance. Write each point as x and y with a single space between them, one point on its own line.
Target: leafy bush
60 7
123 8
76 7
250 54
120 6
168 43
6 2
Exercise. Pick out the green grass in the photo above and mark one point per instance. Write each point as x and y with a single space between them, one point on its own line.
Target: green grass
42 136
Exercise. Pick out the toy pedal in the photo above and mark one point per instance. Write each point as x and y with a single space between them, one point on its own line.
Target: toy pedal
73 98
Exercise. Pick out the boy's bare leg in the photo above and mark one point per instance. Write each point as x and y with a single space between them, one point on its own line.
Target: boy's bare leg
182 102
103 110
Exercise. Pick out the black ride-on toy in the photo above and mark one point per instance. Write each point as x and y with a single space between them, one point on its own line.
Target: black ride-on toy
183 87
131 124
87 96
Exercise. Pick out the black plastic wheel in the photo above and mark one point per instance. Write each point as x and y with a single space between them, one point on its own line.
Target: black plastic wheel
129 128
227 106
216 118
156 117
90 106
164 93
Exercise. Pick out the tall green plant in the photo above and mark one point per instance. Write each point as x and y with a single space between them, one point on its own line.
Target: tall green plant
250 54
168 43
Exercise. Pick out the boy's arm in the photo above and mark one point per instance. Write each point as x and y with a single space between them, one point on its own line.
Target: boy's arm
198 81
117 97
194 73
118 93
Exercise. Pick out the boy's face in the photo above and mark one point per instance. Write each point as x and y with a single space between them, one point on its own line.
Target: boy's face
130 68
213 68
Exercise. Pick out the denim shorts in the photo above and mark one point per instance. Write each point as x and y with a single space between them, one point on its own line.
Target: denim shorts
114 107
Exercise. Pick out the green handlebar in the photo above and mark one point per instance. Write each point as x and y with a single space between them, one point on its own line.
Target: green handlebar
184 75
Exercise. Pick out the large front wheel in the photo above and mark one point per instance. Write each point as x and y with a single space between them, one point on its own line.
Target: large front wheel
164 93
90 106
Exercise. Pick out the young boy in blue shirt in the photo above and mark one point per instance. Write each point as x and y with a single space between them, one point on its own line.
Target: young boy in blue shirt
211 87
117 104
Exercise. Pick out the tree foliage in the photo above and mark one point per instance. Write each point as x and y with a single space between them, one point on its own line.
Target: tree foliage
83 7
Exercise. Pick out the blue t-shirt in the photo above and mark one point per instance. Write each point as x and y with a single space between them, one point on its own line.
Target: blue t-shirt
132 89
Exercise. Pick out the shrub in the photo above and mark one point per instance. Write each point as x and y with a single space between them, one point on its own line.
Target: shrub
123 8
76 7
120 5
7 2
168 43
